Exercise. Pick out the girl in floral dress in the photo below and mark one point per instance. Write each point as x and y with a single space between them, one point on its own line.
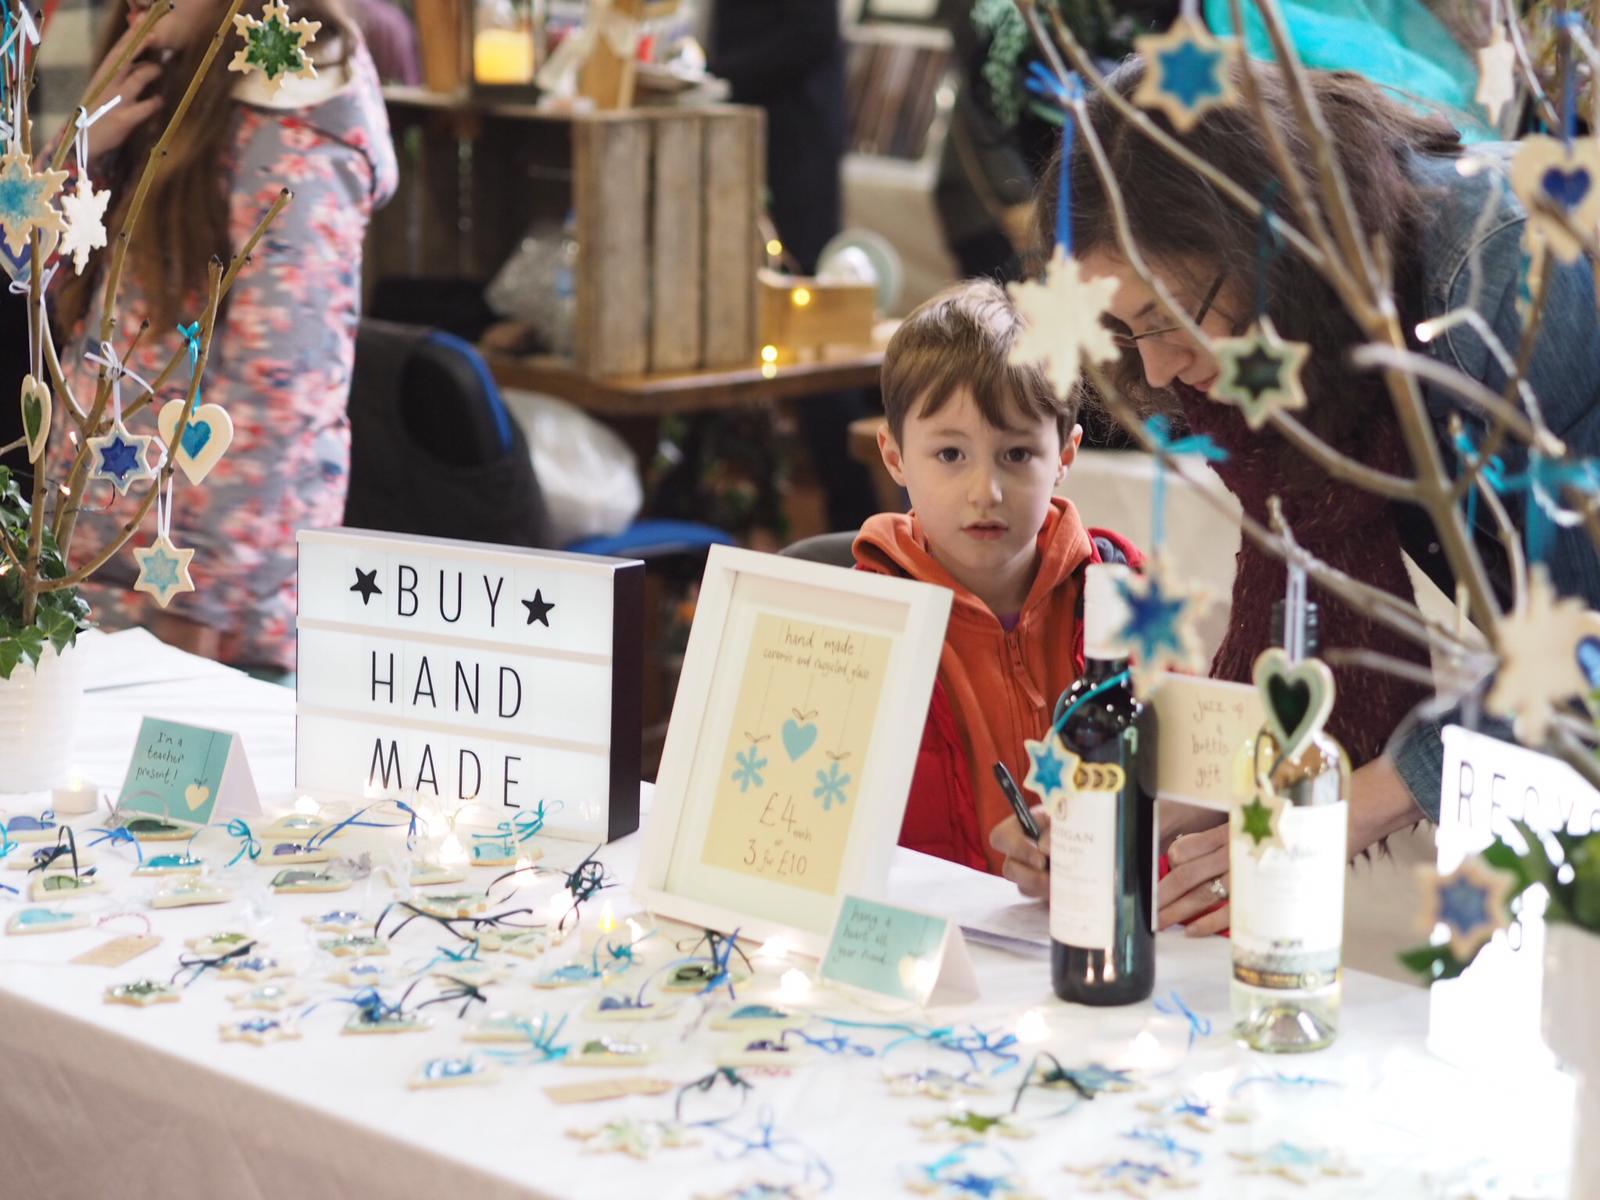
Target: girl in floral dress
281 357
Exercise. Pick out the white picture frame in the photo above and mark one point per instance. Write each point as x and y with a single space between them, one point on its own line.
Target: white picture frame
889 632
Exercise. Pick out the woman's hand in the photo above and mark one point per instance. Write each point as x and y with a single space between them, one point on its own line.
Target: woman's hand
1199 861
131 83
1026 864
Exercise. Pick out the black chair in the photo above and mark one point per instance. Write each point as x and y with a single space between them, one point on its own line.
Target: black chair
830 548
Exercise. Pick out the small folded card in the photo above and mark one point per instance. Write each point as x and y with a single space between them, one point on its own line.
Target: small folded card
900 954
187 775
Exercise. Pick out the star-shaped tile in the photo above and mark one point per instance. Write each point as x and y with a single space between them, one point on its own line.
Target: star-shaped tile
85 212
1542 649
1061 321
259 1030
120 456
367 584
964 1125
1300 1165
1258 821
636 1137
1260 373
163 570
1187 72
1089 1080
1471 902
275 45
538 609
1160 629
1051 767
141 993
1497 79
25 198
1551 177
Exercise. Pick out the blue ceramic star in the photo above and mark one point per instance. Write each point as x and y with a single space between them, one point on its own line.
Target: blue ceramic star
163 570
1471 903
1047 768
1463 905
1153 616
1191 73
120 457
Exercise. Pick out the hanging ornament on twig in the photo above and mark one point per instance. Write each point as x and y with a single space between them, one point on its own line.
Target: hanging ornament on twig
1187 70
163 568
25 198
36 409
1497 80
1160 628
1471 902
274 45
1546 648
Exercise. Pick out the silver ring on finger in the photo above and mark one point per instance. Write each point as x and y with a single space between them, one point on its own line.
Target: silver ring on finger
1219 888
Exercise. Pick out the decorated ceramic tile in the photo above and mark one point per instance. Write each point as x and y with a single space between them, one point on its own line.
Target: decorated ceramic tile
64 887
524 943
205 439
51 860
469 971
335 920
359 974
501 854
1196 1113
163 567
452 905
697 977
269 997
283 854
254 968
1131 1177
1188 72
1061 314
574 974
635 1137
25 828
274 45
154 829
307 879
1497 78
185 891
25 198
45 920
454 1072
769 1052
170 864
1260 373
500 1026
970 1171
432 874
758 1018
141 993
967 1125
629 1008
1296 1164
355 945
293 827
389 1022
212 944
259 1030
941 1085
610 1052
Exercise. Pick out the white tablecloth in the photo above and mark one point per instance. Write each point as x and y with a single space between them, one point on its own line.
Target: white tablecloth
107 1101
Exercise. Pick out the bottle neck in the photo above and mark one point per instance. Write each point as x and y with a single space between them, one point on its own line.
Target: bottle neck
1097 670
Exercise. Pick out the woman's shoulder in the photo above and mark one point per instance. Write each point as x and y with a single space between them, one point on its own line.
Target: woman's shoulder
340 97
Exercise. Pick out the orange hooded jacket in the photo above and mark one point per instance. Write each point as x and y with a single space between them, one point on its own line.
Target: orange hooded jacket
994 689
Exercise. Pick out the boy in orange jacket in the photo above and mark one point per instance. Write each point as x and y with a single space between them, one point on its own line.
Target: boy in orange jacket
981 445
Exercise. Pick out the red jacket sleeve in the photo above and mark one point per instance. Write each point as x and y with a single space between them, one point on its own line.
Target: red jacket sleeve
941 813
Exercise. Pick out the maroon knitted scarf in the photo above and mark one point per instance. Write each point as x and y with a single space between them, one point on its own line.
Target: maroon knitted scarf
1345 527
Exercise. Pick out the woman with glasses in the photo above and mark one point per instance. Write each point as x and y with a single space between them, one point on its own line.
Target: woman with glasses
1456 234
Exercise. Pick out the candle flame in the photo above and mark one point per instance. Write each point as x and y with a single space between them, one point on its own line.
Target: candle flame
452 852
794 986
1033 1027
608 922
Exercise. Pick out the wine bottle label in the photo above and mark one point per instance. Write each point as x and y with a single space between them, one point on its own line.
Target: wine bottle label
1288 905
1083 864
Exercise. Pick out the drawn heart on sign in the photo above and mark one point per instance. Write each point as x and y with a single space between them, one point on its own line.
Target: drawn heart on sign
205 439
798 738
1298 698
35 415
195 795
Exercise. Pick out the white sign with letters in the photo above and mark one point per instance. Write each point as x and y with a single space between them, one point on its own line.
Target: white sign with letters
1491 1013
470 673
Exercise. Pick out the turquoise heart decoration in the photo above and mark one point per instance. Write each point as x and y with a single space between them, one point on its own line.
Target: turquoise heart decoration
195 436
1566 188
798 738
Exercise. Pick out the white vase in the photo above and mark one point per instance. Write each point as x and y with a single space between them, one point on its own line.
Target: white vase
1571 1030
39 721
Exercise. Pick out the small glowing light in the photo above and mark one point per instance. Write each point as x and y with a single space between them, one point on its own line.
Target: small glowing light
65 490
608 920
774 247
305 806
768 371
635 931
1425 331
769 354
75 780
451 851
559 904
800 296
72 436
1032 1027
774 949
1145 1052
794 986
523 862
919 974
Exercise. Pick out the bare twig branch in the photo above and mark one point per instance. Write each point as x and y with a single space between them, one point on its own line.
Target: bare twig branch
102 80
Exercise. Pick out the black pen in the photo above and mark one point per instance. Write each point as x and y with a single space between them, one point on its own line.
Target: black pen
1008 785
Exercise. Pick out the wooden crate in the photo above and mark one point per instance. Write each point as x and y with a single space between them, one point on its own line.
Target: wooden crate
667 203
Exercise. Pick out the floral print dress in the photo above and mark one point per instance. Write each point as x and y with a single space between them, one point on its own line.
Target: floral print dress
280 365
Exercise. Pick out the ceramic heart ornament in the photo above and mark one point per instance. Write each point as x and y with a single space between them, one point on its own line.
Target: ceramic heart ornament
205 439
1551 177
1298 698
35 416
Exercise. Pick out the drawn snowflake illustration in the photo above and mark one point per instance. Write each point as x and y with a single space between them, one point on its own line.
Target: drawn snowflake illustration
748 773
830 786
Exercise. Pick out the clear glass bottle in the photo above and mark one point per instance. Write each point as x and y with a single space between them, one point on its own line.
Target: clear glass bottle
1102 841
1287 903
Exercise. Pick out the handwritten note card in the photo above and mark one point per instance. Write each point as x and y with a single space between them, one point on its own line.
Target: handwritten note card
1205 726
898 953
187 774
786 796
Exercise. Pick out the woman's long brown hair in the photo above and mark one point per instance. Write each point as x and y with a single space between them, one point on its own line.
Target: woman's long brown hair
1177 217
184 222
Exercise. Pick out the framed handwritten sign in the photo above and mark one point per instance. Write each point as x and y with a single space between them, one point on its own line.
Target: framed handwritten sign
1206 725
793 737
471 674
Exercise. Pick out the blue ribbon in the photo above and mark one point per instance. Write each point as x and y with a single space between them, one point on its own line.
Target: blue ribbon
520 828
1065 94
541 1042
1568 21
1198 1026
191 334
118 835
1159 427
248 846
1282 1080
1105 685
354 821
1493 473
837 1044
1543 481
768 1140
1170 1146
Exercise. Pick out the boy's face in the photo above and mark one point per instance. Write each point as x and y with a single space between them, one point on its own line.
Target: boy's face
981 493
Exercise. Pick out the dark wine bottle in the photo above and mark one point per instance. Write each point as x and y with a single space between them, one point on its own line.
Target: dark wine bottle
1103 834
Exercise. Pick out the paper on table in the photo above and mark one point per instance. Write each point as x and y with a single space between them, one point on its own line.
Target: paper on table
133 657
989 909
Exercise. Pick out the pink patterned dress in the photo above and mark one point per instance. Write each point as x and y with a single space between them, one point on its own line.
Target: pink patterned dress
280 365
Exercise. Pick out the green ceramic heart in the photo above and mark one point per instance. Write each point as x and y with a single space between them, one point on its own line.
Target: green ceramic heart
1298 698
35 416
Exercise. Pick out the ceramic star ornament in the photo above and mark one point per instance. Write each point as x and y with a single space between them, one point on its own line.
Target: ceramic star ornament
1497 80
1051 768
84 210
163 570
1546 646
1187 72
275 45
25 198
1258 822
1470 902
635 1137
1559 185
965 1126
120 456
1260 373
1061 320
1160 629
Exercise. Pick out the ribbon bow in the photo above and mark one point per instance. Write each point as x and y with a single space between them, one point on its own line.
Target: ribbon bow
1198 1026
118 835
247 841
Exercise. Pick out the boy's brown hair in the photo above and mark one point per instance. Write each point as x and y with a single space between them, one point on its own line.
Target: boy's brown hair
962 337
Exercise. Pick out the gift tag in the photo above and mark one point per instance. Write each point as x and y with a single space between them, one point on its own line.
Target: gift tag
453 905
430 874
524 943
498 854
214 944
259 1030
299 879
118 950
758 1018
607 1089
500 1027
142 993
26 828
151 829
45 920
453 1072
294 827
181 893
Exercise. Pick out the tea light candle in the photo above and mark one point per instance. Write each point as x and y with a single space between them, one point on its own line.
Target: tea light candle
77 797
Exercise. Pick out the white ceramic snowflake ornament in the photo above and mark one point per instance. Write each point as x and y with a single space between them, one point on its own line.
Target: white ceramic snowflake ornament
163 570
1543 647
1061 320
1187 73
85 212
1260 373
1559 186
274 45
1497 80
25 198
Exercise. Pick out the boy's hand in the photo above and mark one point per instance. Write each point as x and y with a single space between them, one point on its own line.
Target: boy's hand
1026 864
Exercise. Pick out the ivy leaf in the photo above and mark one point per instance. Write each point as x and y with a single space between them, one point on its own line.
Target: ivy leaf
10 655
59 628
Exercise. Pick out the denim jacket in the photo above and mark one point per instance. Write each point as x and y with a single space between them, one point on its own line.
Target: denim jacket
1472 252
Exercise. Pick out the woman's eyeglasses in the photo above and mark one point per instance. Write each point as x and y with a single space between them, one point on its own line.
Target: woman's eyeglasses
1130 341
